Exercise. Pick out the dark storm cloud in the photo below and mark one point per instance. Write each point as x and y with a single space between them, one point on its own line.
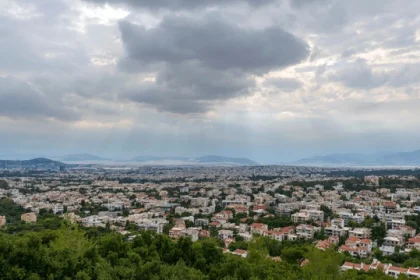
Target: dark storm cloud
190 88
199 61
214 42
179 4
20 101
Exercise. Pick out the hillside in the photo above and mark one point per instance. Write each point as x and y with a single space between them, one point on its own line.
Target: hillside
37 163
388 159
82 157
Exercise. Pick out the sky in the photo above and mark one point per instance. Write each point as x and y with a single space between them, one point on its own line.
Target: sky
271 80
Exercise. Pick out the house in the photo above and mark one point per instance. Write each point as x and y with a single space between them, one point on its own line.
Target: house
334 240
413 272
259 228
201 222
388 269
224 234
259 208
360 233
306 231
323 244
239 252
204 234
276 234
357 247
407 230
28 217
223 215
335 231
396 271
395 224
192 233
393 241
387 250
356 266
215 224
239 209
306 215
2 220
414 243
176 232
347 217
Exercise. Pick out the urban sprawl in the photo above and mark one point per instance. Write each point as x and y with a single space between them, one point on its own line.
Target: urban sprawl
365 214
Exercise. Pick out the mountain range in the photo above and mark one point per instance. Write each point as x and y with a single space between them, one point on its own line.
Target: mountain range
211 159
157 160
380 159
82 157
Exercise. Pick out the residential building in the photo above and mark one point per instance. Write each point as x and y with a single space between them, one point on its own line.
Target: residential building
258 228
360 233
335 231
307 215
28 217
225 234
347 217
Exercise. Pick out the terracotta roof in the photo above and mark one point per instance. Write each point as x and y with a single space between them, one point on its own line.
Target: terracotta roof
414 240
350 264
413 270
257 225
349 248
353 239
399 269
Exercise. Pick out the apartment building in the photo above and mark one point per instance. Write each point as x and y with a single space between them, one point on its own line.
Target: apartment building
306 231
307 215
347 217
360 233
335 231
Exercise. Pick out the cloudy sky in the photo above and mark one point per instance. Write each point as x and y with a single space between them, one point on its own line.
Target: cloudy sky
272 80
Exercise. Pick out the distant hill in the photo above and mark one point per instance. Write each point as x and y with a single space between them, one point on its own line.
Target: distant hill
219 159
36 164
211 159
82 157
387 159
156 158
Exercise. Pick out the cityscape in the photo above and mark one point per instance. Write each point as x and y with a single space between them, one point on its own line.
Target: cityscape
209 139
369 216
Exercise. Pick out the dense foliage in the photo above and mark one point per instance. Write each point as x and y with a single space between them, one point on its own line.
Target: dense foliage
72 252
10 209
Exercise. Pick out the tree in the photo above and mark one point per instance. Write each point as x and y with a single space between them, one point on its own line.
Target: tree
125 212
327 211
379 233
343 197
4 185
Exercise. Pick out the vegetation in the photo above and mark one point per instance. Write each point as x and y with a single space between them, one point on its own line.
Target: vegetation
66 251
10 209
4 185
